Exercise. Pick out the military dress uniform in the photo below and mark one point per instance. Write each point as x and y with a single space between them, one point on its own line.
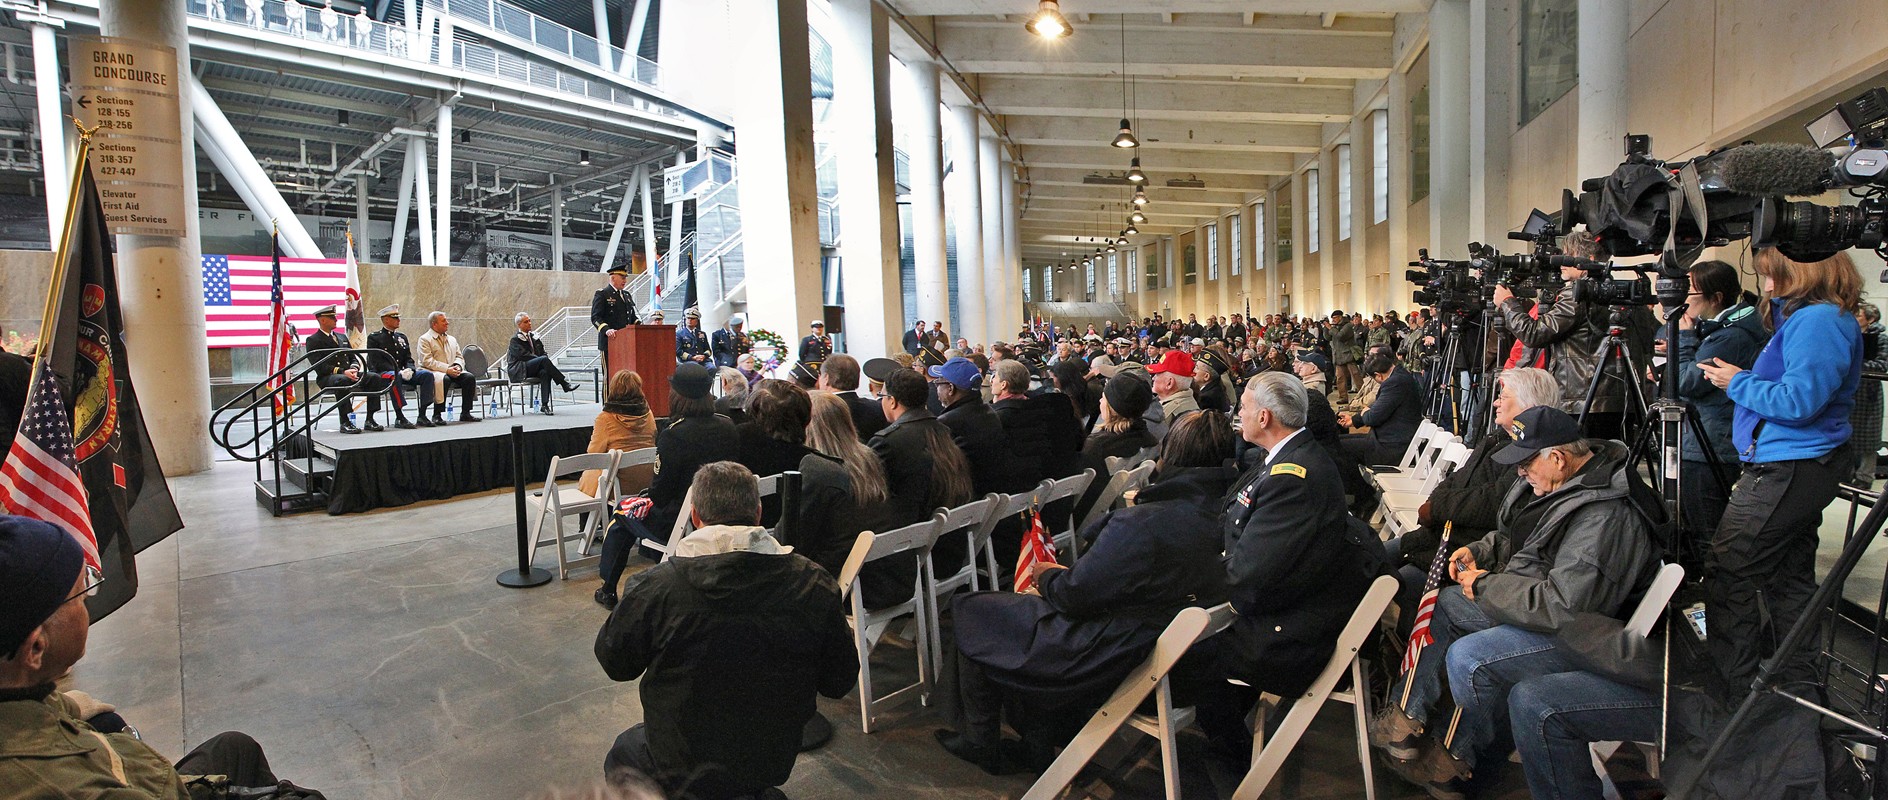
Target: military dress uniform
611 309
816 347
691 343
399 366
728 346
332 373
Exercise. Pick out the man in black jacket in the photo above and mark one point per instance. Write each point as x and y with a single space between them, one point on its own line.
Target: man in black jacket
1392 419
909 446
975 427
915 338
732 639
344 373
399 366
525 361
840 375
1044 436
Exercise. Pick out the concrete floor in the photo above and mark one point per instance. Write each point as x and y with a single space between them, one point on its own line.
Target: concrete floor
374 657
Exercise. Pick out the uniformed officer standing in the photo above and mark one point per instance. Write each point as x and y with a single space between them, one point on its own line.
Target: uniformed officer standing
730 343
691 343
398 366
611 310
343 370
816 346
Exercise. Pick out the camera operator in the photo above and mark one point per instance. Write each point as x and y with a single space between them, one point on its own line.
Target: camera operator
1720 323
1866 418
1571 331
1791 428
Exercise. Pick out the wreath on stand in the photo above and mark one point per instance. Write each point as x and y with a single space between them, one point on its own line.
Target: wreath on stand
761 337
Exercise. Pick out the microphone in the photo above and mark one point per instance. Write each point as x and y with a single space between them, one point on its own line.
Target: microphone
1792 170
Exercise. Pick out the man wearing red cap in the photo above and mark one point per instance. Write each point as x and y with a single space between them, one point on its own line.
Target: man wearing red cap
1173 384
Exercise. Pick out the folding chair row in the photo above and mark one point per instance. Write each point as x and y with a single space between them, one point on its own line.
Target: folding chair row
1111 494
1398 508
769 484
1409 479
559 500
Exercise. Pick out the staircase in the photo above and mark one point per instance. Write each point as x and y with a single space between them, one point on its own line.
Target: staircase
249 427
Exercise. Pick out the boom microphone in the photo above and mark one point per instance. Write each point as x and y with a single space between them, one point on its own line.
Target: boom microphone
1793 170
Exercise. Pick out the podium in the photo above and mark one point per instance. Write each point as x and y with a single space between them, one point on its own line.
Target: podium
650 351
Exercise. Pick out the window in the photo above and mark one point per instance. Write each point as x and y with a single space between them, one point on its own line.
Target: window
1258 236
1212 252
1285 201
1190 264
1313 194
1029 286
1151 281
1343 192
1550 53
1088 267
1379 165
1419 145
1048 283
1114 276
1235 240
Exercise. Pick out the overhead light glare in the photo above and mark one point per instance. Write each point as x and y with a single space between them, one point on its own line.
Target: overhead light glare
1135 175
1125 138
1048 21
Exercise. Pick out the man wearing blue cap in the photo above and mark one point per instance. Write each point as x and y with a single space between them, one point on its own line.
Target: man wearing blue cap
973 423
65 744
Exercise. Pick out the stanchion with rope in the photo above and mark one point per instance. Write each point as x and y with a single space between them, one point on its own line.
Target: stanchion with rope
525 576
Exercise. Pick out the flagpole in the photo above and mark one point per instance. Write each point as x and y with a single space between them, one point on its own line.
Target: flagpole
48 320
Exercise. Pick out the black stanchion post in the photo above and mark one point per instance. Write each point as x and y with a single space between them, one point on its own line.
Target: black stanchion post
525 576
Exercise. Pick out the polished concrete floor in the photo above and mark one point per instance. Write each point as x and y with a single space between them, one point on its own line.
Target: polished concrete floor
374 657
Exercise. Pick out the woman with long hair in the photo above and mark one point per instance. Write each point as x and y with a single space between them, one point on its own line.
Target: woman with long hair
624 424
1791 429
1720 323
843 492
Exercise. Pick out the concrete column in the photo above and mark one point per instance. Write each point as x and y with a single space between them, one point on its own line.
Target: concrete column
442 227
1361 170
1170 265
360 217
52 126
1604 26
1396 290
622 219
1449 101
557 228
779 190
396 247
868 204
1491 115
159 278
1201 305
927 195
1013 276
1267 251
965 132
649 255
1223 291
421 192
1300 227
995 290
1327 233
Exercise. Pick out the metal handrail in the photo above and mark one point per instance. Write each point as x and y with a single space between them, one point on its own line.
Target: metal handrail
277 386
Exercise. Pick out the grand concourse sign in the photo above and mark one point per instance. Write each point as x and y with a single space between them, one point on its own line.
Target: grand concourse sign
127 90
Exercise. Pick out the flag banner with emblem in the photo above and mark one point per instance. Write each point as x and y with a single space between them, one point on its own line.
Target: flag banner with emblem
84 419
1037 548
238 295
1419 635
356 316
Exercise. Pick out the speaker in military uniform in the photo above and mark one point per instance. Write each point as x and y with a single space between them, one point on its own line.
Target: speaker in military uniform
611 310
395 363
343 371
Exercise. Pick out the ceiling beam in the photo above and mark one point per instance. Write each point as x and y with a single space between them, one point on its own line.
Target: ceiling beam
1172 51
1115 209
1162 134
1200 101
1161 166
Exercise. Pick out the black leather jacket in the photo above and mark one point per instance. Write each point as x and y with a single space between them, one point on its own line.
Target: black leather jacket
1571 332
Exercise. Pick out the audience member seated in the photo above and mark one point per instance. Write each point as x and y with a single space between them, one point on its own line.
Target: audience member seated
1120 433
975 427
1059 653
1576 538
440 355
1392 419
1296 563
1043 433
731 392
842 493
57 744
526 362
924 468
773 439
1471 496
839 374
1173 384
625 424
345 374
696 435
1212 395
732 639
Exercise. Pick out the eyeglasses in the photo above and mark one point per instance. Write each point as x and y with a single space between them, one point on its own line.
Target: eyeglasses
93 579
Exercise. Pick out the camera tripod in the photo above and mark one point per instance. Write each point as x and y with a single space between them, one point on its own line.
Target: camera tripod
1614 352
1446 389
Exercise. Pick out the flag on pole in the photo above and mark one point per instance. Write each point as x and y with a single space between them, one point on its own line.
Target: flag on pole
280 339
690 299
1038 548
83 459
356 316
1419 635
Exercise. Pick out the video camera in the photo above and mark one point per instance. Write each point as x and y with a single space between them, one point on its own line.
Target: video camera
1450 286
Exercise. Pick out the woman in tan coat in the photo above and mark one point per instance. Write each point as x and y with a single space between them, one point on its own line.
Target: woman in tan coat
624 424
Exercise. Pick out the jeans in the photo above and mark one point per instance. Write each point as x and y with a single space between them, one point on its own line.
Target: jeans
1556 716
620 535
1455 616
1483 667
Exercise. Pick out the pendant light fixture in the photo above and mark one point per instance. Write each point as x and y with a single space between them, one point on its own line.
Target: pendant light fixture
1125 139
1048 21
1132 231
1123 240
1137 217
1140 197
1135 175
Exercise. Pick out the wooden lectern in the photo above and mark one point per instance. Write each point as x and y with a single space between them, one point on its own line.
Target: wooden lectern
650 351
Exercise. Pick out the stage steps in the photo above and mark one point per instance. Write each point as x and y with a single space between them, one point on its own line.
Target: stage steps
303 486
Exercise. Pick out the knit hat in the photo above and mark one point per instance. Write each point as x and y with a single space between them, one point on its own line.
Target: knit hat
692 381
1129 394
38 564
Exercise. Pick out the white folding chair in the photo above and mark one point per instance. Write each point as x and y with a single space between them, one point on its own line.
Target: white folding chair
1069 487
558 502
1412 478
1399 507
1416 443
769 484
1269 755
1651 607
1191 626
1111 492
973 574
625 459
868 626
967 520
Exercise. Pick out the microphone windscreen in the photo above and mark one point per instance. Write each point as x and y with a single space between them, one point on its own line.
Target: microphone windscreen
1794 170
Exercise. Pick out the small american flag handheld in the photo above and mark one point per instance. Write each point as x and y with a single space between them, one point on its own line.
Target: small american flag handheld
1419 635
1038 548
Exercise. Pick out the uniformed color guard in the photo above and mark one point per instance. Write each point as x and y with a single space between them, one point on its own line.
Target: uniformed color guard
816 346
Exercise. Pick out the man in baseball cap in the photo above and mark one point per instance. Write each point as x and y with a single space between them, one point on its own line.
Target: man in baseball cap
1173 384
973 423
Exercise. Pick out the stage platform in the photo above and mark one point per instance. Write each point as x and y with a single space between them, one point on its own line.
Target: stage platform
384 469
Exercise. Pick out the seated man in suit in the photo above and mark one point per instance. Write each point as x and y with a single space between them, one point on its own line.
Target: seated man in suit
1392 419
398 366
840 375
344 372
440 353
526 362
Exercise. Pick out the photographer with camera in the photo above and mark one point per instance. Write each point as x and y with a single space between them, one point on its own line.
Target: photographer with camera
1791 428
1721 323
1571 331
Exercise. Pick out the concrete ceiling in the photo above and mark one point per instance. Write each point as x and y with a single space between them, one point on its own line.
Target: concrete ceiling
1220 92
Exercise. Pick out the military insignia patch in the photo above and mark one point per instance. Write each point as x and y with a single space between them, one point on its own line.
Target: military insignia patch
1288 469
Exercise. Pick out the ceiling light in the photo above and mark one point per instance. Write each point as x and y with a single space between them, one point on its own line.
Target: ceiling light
1137 216
1123 241
1111 247
1140 197
465 137
583 157
1135 174
1126 137
1048 21
1132 231
340 117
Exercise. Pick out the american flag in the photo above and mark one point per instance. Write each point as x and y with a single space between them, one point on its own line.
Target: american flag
237 301
1037 548
280 338
1419 635
40 477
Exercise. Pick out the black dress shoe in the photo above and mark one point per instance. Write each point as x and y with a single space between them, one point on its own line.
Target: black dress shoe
373 426
403 424
423 421
987 758
569 388
467 417
606 597
439 417
348 427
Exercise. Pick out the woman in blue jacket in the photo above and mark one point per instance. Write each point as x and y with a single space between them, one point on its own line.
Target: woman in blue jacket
1721 323
1791 429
